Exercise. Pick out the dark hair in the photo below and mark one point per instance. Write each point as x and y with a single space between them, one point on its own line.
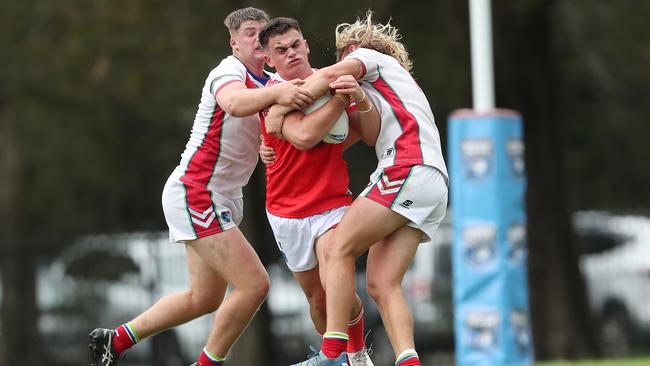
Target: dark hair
234 20
277 26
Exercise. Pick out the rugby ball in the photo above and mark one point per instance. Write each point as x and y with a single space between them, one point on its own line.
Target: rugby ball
339 130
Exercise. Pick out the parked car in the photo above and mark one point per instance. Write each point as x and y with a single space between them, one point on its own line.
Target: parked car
103 281
616 265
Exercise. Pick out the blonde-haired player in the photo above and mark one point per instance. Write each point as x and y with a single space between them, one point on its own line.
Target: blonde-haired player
407 195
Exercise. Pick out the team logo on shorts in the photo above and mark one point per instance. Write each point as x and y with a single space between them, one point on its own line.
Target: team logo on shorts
478 157
481 329
480 244
225 217
520 327
516 237
515 152
406 204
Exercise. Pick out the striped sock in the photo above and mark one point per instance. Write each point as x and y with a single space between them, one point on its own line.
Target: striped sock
334 343
126 338
408 358
209 359
355 330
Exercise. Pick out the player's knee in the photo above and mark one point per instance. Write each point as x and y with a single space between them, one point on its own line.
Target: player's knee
203 303
340 250
380 288
316 300
260 287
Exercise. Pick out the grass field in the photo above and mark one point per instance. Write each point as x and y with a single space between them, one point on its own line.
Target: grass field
627 362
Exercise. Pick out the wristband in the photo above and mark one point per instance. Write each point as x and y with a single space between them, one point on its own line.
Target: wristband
362 98
365 110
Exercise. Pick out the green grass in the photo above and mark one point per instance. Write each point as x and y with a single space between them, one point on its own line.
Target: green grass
622 362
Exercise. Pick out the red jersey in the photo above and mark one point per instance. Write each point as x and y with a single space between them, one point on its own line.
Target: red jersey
299 183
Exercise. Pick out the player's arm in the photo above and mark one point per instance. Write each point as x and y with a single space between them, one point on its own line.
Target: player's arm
305 131
318 82
239 101
353 138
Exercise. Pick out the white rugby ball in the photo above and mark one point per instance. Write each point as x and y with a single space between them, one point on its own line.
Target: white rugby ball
339 130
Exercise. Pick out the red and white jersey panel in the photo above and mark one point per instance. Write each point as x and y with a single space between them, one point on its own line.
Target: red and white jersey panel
408 134
221 153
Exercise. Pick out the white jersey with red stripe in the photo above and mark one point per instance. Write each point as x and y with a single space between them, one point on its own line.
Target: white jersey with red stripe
408 134
221 153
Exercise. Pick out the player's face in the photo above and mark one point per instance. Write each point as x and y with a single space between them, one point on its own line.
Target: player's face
288 53
245 42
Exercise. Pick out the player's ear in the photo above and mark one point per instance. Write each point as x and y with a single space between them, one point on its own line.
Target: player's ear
268 61
233 43
307 46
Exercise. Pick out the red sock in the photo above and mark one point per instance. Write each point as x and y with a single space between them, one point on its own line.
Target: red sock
408 358
356 330
125 338
334 343
208 359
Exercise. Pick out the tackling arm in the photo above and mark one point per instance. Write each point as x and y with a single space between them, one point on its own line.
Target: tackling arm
239 101
305 131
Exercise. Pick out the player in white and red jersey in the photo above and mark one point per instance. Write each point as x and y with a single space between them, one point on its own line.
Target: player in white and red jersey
202 202
407 195
307 184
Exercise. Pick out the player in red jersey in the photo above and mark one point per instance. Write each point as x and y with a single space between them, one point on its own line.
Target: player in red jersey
202 202
307 184
407 195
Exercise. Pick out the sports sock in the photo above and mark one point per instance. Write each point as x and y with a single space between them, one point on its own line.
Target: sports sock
126 338
334 343
209 359
408 357
356 332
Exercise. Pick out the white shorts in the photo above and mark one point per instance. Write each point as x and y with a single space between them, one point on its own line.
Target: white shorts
195 212
296 237
417 192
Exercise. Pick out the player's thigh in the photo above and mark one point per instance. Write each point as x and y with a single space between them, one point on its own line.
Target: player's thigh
365 223
232 257
389 259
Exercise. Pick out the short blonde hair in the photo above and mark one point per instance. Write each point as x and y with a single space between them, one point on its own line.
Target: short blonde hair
379 37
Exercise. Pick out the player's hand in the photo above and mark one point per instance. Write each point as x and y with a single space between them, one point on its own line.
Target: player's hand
267 154
348 85
290 94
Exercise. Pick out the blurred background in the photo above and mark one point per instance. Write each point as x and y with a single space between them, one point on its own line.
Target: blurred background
97 99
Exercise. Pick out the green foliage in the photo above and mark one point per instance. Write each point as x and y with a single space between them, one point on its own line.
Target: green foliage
102 95
605 52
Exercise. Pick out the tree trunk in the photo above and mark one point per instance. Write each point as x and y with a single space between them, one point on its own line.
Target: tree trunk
562 325
19 337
